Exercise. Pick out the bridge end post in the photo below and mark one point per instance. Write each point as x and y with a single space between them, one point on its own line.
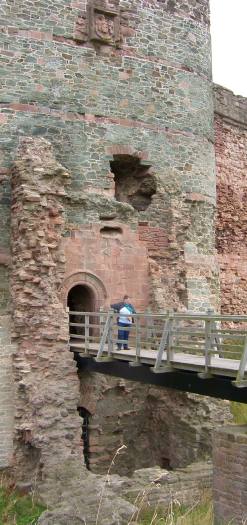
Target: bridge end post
164 345
240 381
106 335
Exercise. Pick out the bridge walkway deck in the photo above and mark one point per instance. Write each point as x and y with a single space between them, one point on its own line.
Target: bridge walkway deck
207 344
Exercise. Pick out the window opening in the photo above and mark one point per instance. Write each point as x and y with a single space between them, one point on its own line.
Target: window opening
111 231
134 183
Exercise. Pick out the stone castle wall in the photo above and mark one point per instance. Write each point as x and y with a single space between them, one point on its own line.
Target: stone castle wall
158 426
128 93
44 372
231 226
123 93
6 393
229 474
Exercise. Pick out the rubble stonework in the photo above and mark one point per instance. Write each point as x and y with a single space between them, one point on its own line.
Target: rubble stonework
148 488
6 393
138 107
47 429
45 375
158 426
231 159
116 99
97 103
229 474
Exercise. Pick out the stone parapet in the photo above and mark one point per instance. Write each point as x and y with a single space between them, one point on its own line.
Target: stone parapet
232 108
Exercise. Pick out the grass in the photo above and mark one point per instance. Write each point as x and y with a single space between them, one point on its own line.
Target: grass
16 509
239 412
176 514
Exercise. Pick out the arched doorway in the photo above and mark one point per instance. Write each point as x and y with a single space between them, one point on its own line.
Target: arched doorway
81 298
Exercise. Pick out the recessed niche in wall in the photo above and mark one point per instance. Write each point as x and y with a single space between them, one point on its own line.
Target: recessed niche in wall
107 217
133 181
111 231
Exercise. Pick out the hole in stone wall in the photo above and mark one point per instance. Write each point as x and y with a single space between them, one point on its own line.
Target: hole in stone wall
165 463
110 231
133 182
107 218
85 415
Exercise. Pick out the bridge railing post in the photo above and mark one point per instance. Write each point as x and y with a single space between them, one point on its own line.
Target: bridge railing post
101 322
240 381
104 337
170 340
110 335
208 344
87 340
164 342
138 339
149 329
138 329
215 340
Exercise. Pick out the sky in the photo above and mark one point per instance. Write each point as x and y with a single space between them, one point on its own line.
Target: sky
229 44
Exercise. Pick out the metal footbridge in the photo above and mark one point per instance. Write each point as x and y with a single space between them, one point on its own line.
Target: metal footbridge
204 353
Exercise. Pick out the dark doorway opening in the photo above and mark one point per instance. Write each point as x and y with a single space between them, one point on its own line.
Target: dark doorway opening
85 415
80 299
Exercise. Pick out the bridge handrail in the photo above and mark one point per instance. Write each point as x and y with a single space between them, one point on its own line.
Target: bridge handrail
175 315
168 334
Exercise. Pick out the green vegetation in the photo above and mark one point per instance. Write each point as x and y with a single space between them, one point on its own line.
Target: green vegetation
232 348
176 514
239 412
16 509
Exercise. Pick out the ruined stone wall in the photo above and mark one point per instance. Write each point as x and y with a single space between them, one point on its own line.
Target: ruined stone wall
158 426
105 82
47 428
231 160
229 474
123 93
6 393
111 255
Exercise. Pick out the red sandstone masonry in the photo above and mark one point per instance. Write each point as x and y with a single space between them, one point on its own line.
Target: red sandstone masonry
121 263
231 237
46 386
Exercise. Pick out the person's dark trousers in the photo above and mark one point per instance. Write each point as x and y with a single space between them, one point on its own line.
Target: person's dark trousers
123 335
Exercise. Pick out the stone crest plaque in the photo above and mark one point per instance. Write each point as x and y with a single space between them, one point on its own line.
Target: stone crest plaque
104 24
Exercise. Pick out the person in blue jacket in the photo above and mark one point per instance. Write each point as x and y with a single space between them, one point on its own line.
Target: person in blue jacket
125 320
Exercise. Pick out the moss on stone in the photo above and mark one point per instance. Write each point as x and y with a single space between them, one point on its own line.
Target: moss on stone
239 412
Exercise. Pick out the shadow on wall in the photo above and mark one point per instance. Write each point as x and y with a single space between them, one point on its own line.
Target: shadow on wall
157 428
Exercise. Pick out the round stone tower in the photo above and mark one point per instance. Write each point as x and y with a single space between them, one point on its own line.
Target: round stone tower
123 92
